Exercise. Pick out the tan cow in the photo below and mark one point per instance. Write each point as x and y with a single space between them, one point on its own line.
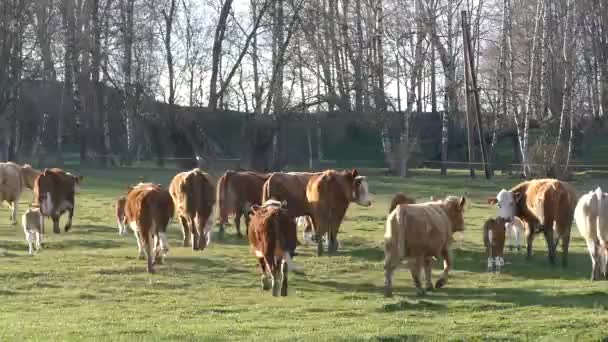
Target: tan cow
591 216
14 179
148 210
237 191
194 197
544 205
401 198
121 221
329 195
54 193
420 232
494 231
272 237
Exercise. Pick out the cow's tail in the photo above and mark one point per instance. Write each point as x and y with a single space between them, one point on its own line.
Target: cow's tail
221 197
394 240
266 190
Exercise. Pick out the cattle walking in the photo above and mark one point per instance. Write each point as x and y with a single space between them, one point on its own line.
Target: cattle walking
329 195
237 191
194 197
33 228
544 205
148 210
591 216
420 232
120 215
494 231
14 179
272 237
54 194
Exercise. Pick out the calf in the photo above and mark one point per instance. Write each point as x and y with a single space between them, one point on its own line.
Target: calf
194 197
591 216
543 205
120 215
33 227
54 193
494 240
148 209
420 232
272 236
237 191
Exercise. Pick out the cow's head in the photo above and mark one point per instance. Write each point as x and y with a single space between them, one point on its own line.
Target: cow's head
77 181
361 194
506 202
455 208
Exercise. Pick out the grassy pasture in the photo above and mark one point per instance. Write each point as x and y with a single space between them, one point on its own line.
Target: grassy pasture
88 285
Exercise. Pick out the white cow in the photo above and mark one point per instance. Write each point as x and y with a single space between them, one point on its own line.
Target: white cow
591 215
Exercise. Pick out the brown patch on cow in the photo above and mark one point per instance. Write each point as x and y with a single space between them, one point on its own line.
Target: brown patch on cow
61 187
236 192
272 236
546 205
290 187
194 197
420 232
148 209
400 198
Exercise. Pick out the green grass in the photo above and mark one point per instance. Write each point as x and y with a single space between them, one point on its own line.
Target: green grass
88 285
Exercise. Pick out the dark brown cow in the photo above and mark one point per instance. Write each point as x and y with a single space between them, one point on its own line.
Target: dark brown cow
54 192
237 191
272 236
329 195
420 232
401 198
148 209
120 215
494 231
544 205
194 197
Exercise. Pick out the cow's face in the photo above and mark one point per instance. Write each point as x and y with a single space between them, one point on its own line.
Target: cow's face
361 193
455 207
506 202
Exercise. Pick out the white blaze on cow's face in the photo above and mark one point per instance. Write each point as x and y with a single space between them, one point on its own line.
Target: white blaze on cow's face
505 201
361 194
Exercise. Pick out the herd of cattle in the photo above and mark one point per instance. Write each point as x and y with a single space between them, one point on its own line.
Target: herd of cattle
273 205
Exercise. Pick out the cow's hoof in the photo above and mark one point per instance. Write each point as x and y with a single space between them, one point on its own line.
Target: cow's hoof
440 283
151 270
67 228
14 223
429 287
420 292
388 292
220 235
141 257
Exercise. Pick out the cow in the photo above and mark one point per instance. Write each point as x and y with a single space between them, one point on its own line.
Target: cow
237 191
513 230
420 232
33 228
591 216
291 187
272 236
194 197
120 215
401 198
329 195
494 230
148 210
543 205
14 179
54 193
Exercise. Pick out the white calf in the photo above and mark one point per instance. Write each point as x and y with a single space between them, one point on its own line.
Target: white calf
33 227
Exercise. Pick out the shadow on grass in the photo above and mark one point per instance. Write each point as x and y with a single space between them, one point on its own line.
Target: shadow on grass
420 304
84 243
88 229
400 338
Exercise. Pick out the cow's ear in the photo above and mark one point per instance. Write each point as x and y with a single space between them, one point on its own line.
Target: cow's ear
462 202
492 200
517 196
45 172
354 173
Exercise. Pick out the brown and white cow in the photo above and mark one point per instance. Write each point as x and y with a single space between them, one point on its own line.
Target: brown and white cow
591 216
329 195
494 230
237 191
54 193
148 209
194 197
544 205
120 215
14 179
420 232
401 198
272 236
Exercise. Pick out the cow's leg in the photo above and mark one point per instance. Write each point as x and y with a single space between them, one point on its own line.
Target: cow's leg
14 211
185 231
68 225
237 221
391 261
509 235
529 239
140 247
596 259
148 250
29 237
284 278
516 231
55 219
428 284
565 249
415 268
38 241
264 278
490 264
446 254
332 245
275 280
194 230
548 232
